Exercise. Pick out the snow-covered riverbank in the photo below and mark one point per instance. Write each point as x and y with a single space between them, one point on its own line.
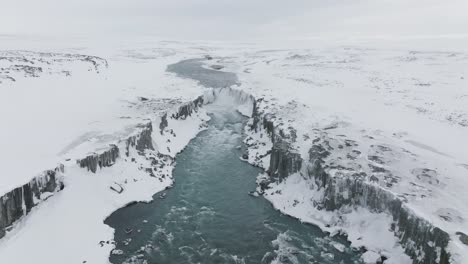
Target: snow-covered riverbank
111 135
366 137
366 125
132 168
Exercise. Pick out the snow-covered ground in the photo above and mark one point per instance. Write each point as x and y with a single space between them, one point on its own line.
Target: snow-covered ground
60 106
399 114
72 101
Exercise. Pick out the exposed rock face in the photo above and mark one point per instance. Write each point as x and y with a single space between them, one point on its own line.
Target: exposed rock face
255 116
217 67
31 64
105 159
422 241
283 162
142 140
187 109
269 126
414 232
163 123
20 201
463 237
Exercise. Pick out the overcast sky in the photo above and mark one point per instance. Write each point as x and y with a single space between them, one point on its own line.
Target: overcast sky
234 19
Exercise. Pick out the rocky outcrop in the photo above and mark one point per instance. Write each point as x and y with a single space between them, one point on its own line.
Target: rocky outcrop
283 162
142 140
163 123
422 241
187 109
20 201
269 126
104 159
255 116
32 64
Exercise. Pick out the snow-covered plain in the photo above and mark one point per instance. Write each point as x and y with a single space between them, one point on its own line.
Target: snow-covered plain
402 109
396 115
68 109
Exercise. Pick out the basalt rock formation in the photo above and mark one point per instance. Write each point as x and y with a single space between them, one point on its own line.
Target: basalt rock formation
421 240
283 161
20 201
186 110
104 159
142 140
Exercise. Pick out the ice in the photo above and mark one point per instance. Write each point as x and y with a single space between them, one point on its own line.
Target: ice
395 111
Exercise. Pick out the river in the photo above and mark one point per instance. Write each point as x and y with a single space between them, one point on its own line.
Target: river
209 216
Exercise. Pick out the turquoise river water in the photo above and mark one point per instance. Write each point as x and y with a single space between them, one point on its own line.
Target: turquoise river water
209 217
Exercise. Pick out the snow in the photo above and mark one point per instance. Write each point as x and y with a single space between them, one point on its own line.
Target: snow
176 141
73 220
53 118
370 257
409 98
363 228
404 108
49 115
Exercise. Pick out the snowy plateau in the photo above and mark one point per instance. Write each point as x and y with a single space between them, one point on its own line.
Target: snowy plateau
367 140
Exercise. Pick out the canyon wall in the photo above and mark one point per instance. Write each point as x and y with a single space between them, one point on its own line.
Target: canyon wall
19 202
421 240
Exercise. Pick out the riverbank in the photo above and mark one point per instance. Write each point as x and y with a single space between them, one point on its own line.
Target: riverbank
209 216
315 101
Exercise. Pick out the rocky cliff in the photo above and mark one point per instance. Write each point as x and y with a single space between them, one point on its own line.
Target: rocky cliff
186 109
20 201
421 240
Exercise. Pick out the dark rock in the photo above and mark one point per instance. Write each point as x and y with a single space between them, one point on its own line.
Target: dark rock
376 159
117 188
217 67
27 196
356 189
283 162
105 159
255 115
188 108
142 140
463 237
163 123
413 231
